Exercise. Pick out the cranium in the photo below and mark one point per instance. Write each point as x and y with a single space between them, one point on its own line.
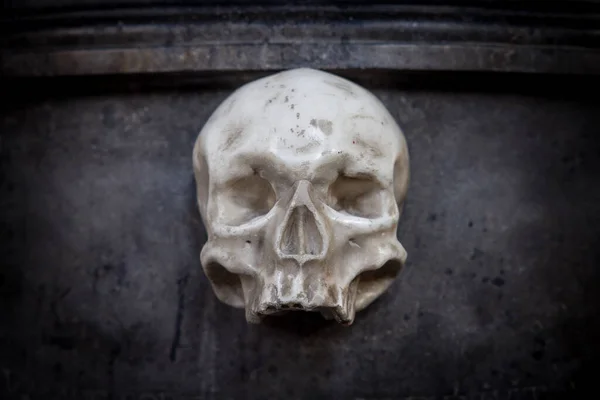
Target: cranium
300 180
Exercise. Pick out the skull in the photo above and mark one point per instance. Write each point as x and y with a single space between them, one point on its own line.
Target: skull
300 180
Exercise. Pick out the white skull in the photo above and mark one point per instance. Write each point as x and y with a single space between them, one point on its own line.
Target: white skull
300 181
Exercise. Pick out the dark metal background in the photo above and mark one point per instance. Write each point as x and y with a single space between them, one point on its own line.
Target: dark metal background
101 290
58 38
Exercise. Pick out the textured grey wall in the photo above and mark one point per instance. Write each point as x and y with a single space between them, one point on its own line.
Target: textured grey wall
102 294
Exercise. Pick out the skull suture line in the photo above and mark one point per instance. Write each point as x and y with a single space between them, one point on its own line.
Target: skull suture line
300 180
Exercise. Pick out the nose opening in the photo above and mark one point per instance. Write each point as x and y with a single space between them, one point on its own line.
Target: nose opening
301 235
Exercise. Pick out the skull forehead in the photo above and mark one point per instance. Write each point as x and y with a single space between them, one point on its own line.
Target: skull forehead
301 116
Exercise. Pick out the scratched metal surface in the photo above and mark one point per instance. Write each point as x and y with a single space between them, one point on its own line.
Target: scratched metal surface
102 294
113 37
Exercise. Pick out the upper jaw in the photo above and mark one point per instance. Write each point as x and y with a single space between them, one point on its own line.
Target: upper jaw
332 302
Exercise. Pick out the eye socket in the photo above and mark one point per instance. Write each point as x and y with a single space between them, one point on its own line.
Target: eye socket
244 199
356 196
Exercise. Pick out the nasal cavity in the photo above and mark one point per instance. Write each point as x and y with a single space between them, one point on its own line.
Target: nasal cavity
301 234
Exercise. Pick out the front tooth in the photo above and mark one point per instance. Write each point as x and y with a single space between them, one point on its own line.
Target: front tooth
344 315
349 309
252 316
